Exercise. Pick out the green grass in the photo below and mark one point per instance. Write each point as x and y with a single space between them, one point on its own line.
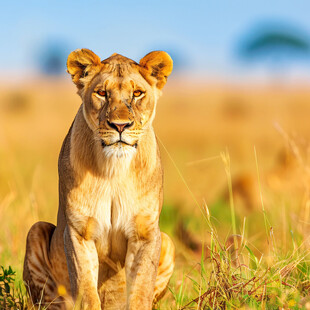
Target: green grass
12 293
232 279
235 274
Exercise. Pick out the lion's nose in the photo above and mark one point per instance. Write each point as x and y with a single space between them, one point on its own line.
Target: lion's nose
120 127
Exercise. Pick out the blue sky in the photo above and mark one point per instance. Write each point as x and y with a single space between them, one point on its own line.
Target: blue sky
204 34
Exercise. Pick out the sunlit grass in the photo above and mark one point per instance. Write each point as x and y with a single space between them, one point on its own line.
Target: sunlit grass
210 136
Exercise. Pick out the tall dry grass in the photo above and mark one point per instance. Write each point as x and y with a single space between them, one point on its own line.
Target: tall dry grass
195 126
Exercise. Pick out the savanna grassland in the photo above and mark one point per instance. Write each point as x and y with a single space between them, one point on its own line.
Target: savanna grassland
237 185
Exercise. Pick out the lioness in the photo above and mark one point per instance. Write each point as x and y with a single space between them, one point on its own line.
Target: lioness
107 250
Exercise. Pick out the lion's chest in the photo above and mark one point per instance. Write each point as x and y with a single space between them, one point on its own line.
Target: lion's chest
113 206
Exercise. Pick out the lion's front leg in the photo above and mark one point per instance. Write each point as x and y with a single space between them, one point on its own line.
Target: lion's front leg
83 265
141 269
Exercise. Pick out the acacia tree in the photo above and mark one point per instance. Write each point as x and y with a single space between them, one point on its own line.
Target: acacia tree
277 46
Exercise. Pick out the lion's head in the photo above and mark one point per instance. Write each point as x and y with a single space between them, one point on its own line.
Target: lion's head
119 96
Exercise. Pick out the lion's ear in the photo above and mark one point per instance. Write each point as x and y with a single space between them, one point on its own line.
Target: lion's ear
158 65
79 62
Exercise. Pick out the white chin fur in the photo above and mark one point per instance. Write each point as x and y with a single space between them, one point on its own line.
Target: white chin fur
119 150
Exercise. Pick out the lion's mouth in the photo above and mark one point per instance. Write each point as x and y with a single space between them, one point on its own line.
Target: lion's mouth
119 143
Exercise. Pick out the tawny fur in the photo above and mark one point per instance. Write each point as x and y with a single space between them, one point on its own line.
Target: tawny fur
106 251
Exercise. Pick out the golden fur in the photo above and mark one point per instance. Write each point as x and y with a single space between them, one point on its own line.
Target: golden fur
107 246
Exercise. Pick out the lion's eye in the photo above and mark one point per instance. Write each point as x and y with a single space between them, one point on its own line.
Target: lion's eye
102 93
137 93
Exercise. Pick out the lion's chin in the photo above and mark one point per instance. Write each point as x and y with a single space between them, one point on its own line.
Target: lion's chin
119 150
118 143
